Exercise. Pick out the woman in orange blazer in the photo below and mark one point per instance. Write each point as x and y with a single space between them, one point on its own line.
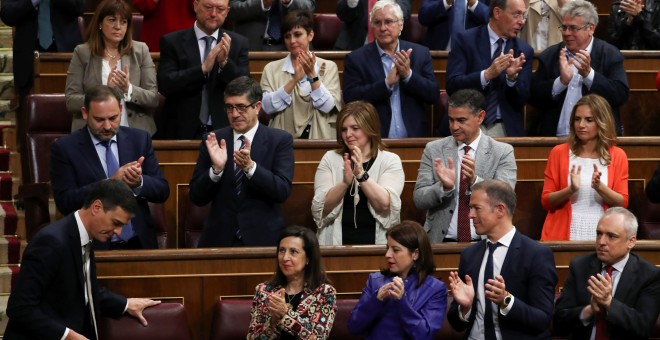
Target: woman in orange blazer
574 192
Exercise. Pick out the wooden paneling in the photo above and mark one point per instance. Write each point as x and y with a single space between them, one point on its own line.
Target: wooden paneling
196 277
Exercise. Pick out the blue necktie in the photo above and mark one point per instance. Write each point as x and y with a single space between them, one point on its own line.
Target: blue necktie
112 166
204 108
457 22
489 325
239 175
274 21
491 97
45 33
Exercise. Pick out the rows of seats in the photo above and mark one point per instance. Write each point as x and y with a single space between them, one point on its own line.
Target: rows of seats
231 319
165 321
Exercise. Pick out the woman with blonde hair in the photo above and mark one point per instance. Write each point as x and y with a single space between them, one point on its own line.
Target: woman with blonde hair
586 175
357 188
111 57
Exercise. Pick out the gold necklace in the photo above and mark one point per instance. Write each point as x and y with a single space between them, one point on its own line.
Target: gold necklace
110 55
289 299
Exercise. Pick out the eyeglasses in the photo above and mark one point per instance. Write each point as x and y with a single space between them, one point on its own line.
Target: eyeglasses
386 22
240 107
519 15
572 28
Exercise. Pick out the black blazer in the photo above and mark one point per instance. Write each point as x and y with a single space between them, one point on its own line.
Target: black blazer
635 305
75 167
180 80
23 16
610 82
258 214
530 276
49 293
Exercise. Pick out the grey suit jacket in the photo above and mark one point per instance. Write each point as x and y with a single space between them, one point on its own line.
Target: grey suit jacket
85 72
494 160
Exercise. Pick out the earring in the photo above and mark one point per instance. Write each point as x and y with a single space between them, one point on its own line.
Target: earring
100 27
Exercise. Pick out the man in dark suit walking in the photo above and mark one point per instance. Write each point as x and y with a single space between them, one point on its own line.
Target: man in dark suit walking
509 279
195 66
493 60
394 75
101 150
580 65
245 170
56 295
612 293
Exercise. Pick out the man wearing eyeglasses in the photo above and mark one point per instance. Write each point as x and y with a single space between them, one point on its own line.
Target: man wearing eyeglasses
245 171
493 60
580 65
395 75
195 66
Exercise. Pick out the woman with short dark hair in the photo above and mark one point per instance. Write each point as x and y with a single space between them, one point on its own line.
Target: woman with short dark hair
404 300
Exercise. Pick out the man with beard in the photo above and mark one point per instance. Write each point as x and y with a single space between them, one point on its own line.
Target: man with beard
101 150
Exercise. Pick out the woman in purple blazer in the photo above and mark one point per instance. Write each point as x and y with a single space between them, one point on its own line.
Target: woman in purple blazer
404 300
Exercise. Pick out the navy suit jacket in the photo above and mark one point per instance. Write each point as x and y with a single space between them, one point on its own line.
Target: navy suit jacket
610 82
75 167
364 79
470 54
530 276
258 214
436 18
48 295
180 80
634 308
22 15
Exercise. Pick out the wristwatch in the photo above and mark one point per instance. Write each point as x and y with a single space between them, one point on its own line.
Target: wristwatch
362 177
215 172
312 80
507 299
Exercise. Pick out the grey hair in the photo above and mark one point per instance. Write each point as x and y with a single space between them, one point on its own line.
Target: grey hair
629 220
386 3
580 8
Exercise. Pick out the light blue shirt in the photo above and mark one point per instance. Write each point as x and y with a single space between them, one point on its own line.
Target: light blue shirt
397 127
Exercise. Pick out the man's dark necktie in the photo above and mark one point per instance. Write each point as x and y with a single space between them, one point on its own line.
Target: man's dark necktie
45 27
463 224
112 165
601 322
491 98
489 325
274 20
239 175
457 20
87 252
204 108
